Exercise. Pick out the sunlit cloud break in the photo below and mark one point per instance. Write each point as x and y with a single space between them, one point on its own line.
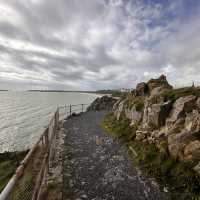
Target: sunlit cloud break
71 45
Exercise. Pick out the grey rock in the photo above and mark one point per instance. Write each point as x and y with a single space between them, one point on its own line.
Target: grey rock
103 103
180 107
192 121
192 150
158 113
133 115
120 112
141 89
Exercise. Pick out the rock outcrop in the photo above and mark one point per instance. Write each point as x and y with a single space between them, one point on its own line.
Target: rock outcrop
156 114
119 109
192 150
152 87
103 103
165 117
160 82
122 111
180 107
141 89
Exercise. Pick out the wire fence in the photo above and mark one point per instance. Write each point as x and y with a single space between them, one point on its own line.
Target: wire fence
65 111
27 182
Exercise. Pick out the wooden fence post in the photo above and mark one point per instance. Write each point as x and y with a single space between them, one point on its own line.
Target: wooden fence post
70 110
46 138
82 107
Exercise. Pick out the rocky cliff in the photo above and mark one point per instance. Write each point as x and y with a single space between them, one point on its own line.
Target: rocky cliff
163 115
102 103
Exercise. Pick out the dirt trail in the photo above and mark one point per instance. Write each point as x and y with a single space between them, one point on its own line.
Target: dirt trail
98 168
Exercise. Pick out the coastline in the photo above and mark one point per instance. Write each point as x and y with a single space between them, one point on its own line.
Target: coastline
33 111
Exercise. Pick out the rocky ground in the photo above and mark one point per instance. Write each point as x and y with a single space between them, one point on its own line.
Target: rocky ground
96 167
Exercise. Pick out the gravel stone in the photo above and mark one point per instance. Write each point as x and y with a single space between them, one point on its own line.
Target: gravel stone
92 157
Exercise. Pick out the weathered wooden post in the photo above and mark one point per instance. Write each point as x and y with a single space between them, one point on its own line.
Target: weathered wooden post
70 110
82 107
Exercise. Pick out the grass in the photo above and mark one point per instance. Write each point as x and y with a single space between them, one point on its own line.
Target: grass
8 164
174 94
138 102
182 182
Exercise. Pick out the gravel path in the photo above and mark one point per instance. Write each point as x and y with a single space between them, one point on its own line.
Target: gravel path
98 168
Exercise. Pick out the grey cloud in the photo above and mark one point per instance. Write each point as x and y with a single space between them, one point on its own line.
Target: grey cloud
96 44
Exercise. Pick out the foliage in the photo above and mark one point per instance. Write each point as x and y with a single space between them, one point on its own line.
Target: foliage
121 130
138 102
174 94
182 182
8 164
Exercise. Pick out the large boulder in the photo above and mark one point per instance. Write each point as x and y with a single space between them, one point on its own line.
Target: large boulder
155 115
183 131
133 115
180 107
136 117
177 142
103 103
141 89
192 122
192 150
158 113
175 127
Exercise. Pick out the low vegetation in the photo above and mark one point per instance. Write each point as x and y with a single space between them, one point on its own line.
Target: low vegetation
138 102
9 161
174 94
176 176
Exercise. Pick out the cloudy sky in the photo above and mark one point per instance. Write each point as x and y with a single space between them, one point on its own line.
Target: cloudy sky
97 44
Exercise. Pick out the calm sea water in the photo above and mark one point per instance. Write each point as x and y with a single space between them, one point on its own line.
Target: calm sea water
24 115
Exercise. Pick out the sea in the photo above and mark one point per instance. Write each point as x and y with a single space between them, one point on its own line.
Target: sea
24 115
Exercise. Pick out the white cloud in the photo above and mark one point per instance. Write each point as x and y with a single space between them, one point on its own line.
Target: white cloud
96 44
